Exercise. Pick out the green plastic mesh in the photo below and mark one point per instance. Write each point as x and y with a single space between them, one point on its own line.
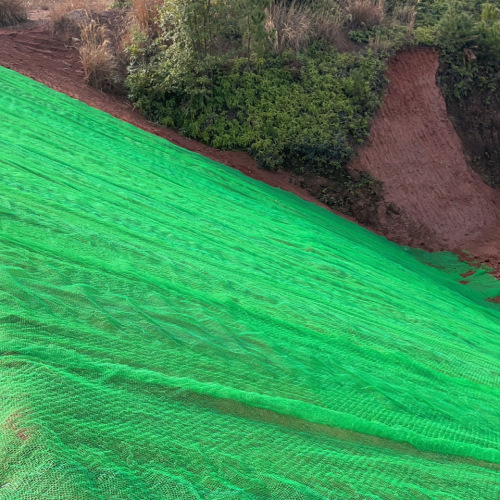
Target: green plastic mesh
171 329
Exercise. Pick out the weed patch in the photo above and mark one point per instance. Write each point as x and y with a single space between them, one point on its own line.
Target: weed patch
12 12
98 60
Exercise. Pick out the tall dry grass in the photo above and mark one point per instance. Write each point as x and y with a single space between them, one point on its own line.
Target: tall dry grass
406 15
145 13
329 19
98 59
288 26
291 26
12 12
366 13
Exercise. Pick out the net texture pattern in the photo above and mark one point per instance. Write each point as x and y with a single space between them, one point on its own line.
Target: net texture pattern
171 329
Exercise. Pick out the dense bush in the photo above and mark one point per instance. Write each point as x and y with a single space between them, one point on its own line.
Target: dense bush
265 75
469 38
301 112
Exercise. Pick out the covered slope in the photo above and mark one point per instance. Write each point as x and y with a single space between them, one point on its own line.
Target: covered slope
173 329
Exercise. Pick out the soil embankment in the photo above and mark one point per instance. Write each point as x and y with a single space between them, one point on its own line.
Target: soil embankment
432 198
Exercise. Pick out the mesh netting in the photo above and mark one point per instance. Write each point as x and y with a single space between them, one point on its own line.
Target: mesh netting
171 329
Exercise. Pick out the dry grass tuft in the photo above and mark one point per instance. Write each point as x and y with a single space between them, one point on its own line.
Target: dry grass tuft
288 26
145 12
329 22
68 17
380 44
99 61
12 12
366 13
120 31
406 15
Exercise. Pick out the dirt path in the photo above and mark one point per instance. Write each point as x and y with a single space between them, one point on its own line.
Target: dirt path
436 201
433 199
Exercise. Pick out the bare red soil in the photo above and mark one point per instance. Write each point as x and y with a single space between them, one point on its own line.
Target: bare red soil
432 199
436 200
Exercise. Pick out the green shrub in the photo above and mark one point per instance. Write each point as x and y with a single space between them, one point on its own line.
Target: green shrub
425 35
301 112
489 34
469 39
456 31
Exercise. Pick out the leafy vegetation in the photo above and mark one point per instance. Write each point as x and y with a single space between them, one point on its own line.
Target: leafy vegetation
469 37
300 111
258 77
296 82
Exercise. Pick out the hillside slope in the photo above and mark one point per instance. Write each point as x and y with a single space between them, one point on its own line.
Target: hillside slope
431 198
173 329
36 53
437 201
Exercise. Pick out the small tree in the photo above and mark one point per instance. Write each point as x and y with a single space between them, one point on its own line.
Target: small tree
252 19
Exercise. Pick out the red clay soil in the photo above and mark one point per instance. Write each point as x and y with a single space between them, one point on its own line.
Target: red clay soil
435 200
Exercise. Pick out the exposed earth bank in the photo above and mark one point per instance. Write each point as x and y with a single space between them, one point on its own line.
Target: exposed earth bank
431 197
478 125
